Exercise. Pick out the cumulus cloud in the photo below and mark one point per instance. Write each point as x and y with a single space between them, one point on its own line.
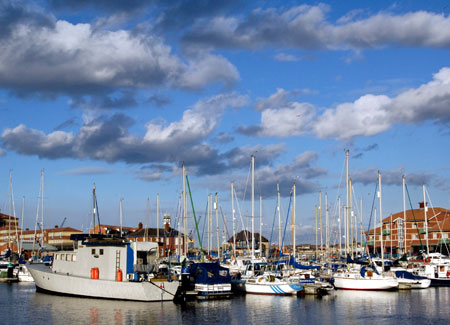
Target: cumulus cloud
281 117
366 116
307 27
373 114
107 138
55 57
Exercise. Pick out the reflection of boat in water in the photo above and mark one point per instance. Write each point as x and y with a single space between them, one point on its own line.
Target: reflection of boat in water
105 267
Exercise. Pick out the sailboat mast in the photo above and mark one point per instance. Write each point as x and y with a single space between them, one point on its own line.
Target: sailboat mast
327 247
361 224
157 224
404 213
425 218
184 211
253 207
260 225
279 216
381 220
21 227
216 207
374 233
315 211
339 219
121 217
42 206
233 213
209 223
10 208
346 207
320 222
293 220
352 237
93 208
146 219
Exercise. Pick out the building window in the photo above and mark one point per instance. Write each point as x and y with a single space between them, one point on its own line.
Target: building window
445 235
167 241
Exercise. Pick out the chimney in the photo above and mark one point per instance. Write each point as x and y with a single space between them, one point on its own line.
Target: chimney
140 226
166 222
421 204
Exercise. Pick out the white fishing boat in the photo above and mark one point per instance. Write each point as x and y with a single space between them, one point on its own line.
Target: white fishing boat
105 267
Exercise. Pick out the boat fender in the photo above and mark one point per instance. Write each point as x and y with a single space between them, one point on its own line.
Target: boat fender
94 273
119 275
260 279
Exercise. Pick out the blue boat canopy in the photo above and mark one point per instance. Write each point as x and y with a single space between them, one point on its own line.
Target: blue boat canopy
210 273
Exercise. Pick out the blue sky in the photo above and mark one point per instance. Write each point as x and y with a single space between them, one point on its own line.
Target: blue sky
120 94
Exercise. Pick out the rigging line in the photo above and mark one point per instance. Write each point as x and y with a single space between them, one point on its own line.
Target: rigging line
284 233
414 217
242 220
225 224
204 220
273 224
370 220
437 221
338 194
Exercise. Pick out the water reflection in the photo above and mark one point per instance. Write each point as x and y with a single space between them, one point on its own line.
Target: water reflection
21 304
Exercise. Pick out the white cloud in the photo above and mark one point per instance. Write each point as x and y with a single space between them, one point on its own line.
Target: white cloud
77 59
307 27
373 114
292 120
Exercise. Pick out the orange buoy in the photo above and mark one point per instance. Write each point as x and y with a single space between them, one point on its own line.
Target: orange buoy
96 273
92 273
119 275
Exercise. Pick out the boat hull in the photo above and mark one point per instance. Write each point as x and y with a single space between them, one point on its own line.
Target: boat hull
63 284
436 282
345 283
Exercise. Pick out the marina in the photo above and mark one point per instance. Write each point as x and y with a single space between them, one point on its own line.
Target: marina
224 162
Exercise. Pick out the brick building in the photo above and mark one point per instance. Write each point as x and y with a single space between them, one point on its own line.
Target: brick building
393 232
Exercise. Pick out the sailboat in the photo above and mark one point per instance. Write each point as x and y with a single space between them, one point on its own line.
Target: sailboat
255 281
360 277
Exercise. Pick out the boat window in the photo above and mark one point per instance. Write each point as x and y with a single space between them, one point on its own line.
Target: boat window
63 256
68 257
101 251
56 256
223 273
93 251
74 258
211 274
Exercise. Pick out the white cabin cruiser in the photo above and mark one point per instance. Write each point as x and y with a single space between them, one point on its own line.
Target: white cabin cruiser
105 267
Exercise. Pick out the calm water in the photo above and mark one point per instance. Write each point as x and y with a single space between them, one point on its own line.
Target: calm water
20 304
